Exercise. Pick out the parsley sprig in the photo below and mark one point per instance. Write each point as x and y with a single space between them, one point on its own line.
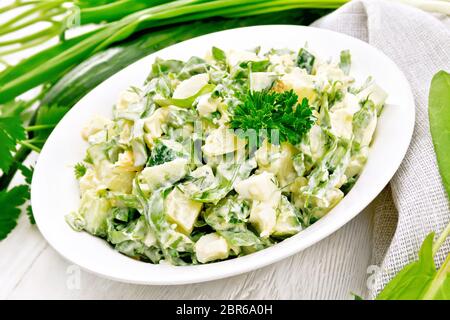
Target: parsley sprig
273 115
16 142
11 131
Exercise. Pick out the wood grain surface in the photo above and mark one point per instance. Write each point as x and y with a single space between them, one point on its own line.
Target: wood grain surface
331 269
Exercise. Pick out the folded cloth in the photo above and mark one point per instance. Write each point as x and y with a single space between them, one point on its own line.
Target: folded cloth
415 203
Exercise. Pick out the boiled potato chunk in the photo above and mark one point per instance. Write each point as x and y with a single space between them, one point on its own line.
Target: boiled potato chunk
301 82
165 173
277 160
234 57
258 187
287 222
94 210
211 247
207 105
182 210
191 86
126 98
341 123
94 126
375 93
263 217
221 141
153 125
261 80
114 178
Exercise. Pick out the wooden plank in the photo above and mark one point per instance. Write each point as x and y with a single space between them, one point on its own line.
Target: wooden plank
331 269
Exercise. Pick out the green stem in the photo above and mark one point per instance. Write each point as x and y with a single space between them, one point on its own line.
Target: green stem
438 281
26 45
16 4
30 146
168 13
264 8
46 18
40 6
115 10
34 140
46 33
40 127
438 243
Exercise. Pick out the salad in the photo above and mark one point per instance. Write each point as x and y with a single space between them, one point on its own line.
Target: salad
221 156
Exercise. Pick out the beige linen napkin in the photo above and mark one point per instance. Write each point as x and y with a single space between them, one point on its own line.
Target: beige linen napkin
415 202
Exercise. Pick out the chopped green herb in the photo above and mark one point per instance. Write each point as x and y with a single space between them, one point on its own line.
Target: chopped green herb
160 154
346 61
305 60
80 170
219 54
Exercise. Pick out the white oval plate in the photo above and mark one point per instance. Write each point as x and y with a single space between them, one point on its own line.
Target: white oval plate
55 191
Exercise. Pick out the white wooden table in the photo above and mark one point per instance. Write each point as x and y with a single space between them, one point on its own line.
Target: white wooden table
331 269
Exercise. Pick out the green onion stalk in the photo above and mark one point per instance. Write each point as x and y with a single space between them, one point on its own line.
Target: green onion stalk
77 80
49 64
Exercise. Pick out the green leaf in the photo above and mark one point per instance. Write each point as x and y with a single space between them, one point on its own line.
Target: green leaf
13 108
30 215
356 296
255 66
11 131
42 67
187 102
219 54
439 116
163 67
420 280
413 280
10 201
27 173
439 288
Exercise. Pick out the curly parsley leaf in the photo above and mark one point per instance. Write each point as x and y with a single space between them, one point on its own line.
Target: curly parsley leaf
27 173
11 131
273 115
30 215
80 170
10 202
